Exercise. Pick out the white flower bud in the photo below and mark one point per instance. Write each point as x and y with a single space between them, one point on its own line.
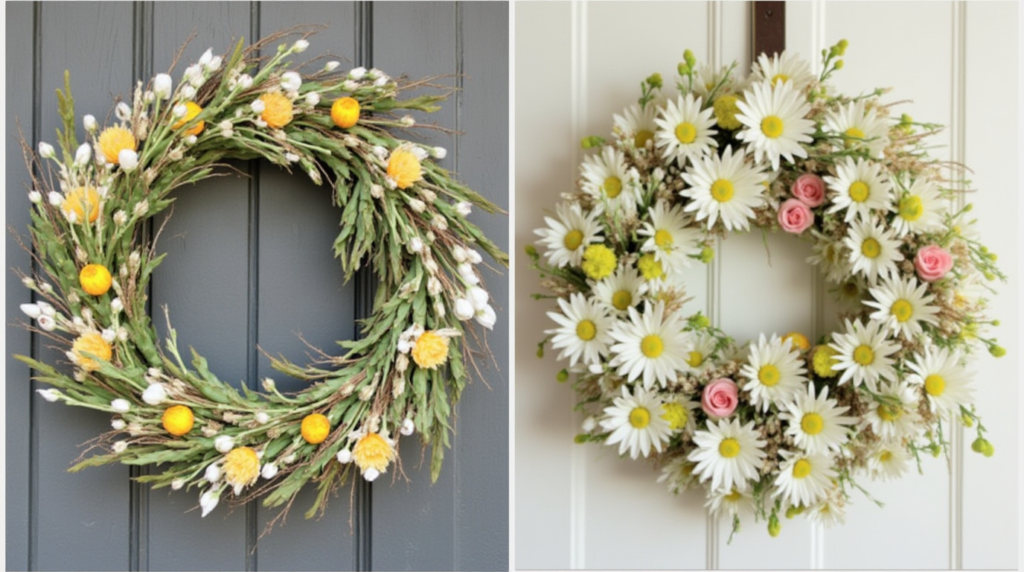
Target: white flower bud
408 121
118 424
473 256
55 198
46 150
357 73
589 423
148 97
89 122
175 154
208 501
122 334
433 286
46 288
439 308
467 273
122 111
487 317
214 64
376 191
269 471
331 65
245 82
407 427
289 459
464 208
416 245
107 334
205 58
419 152
120 405
45 307
35 197
312 99
478 297
188 92
116 306
224 443
140 208
120 446
291 157
366 393
349 85
428 196
269 385
431 266
291 81
31 310
464 309
179 111
380 82
257 106
83 154
212 474
459 253
314 175
371 474
439 222
344 456
190 140
401 363
47 323
128 160
50 394
162 85
177 484
417 205
300 46
154 394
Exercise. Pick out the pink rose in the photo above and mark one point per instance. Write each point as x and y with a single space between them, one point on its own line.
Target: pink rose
933 262
794 216
720 397
810 189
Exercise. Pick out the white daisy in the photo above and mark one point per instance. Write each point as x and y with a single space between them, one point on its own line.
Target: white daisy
860 188
774 122
864 354
620 291
724 187
831 256
785 68
920 209
888 462
651 345
733 500
584 330
816 424
860 127
775 371
803 479
896 417
684 131
635 424
874 251
903 306
944 379
635 128
678 475
829 512
607 179
669 237
729 454
701 356
568 236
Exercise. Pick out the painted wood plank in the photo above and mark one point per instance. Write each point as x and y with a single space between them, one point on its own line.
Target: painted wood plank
80 521
20 22
481 449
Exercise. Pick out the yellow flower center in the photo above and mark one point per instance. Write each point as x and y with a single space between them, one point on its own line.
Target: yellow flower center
859 191
779 77
404 168
612 187
721 190
729 448
911 208
191 111
178 420
652 345
695 359
885 456
642 137
812 423
639 417
864 355
622 299
801 469
934 385
686 132
79 201
599 261
798 341
94 344
771 126
430 351
95 279
345 112
769 375
113 140
573 239
852 136
734 496
650 267
373 452
315 428
277 110
675 414
902 310
889 412
586 330
870 248
241 467
663 239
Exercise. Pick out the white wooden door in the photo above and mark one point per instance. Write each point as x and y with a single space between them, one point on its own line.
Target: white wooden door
580 506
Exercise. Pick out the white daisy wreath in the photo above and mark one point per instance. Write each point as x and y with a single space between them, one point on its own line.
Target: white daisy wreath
779 425
400 213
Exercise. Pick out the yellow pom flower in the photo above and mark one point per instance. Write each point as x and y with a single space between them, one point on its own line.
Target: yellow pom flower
345 112
192 109
241 467
650 267
599 261
431 350
78 201
404 168
95 279
675 414
113 140
315 428
823 360
178 420
91 343
277 110
798 341
373 452
725 112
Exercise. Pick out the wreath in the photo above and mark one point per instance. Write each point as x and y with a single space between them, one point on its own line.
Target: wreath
778 425
401 214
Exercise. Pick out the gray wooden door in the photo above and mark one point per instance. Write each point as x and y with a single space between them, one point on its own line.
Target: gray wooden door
250 267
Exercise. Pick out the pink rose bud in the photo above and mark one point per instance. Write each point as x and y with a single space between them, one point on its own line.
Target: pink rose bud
720 397
933 262
795 217
810 189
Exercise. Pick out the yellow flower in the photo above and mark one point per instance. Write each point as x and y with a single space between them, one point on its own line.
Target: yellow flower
91 343
192 109
178 420
373 452
725 112
798 341
315 428
277 110
431 350
95 279
80 199
404 168
824 359
345 112
113 140
675 414
650 267
599 261
241 467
